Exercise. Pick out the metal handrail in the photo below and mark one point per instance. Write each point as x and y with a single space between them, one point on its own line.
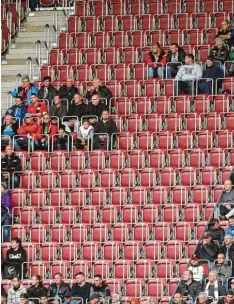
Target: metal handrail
29 67
38 52
47 35
9 23
18 80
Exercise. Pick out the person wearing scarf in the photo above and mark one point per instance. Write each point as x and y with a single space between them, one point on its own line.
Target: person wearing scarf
214 288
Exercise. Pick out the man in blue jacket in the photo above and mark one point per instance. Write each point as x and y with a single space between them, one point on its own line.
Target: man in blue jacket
230 229
18 110
26 90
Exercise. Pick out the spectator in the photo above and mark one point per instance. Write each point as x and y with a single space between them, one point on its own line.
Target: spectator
230 71
156 62
6 197
3 297
226 33
58 289
226 201
219 53
8 130
46 132
77 107
68 298
135 301
211 74
27 132
24 299
6 221
67 91
43 299
175 57
207 249
98 89
94 108
85 133
58 109
228 249
116 298
100 288
62 140
11 164
18 110
230 229
188 287
145 300
216 231
72 125
232 285
94 299
37 288
178 299
47 91
203 298
15 257
229 299
25 90
223 270
196 269
81 289
36 108
104 126
14 293
214 288
187 75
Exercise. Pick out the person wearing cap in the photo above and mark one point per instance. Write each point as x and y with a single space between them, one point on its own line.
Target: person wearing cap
223 269
77 106
226 201
226 33
24 299
27 132
58 289
207 249
100 288
18 110
216 231
214 288
15 292
68 298
207 85
46 133
187 286
80 288
8 130
196 269
228 249
36 108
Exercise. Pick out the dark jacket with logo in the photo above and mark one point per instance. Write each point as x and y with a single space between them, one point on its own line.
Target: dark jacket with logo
193 289
63 288
220 55
16 259
181 56
11 164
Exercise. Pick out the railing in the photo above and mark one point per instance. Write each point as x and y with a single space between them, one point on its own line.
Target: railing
29 67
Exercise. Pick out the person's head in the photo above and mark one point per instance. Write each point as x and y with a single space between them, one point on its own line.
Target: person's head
202 298
24 298
18 101
105 115
77 98
34 98
8 119
207 237
3 186
187 276
94 298
221 258
225 25
43 299
209 62
219 43
228 185
135 301
28 118
174 47
212 276
25 82
69 82
189 59
9 150
95 99
115 297
15 282
194 261
46 118
231 221
85 124
58 278
178 298
15 243
156 48
46 81
96 83
80 278
228 240
72 121
57 100
61 131
36 279
68 296
98 280
229 297
214 224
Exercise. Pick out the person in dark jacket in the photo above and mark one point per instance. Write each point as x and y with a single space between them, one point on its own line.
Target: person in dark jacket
6 221
188 287
207 249
47 91
177 299
58 288
15 257
175 58
214 288
8 130
101 91
100 288
18 110
58 109
6 197
219 53
156 62
228 250
25 90
212 72
223 270
104 126
62 140
77 107
226 33
37 288
226 201
81 289
216 231
11 163
67 91
94 109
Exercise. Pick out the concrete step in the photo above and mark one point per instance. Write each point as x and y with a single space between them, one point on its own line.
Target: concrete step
30 39
36 35
10 78
22 56
11 62
36 28
45 14
25 46
19 52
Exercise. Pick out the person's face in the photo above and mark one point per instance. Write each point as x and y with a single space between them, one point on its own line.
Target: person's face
44 300
25 83
61 132
216 225
220 46
177 298
28 120
231 222
95 100
46 83
207 239
188 60
14 245
56 100
80 279
35 281
57 279
68 300
221 258
46 119
18 102
34 99
2 189
202 299
212 277
85 125
173 49
15 282
228 185
72 122
96 83
23 301
194 262
155 49
232 285
186 276
229 298
77 98
94 301
8 120
228 240
209 63
97 282
105 115
9 150
225 25
115 299
69 82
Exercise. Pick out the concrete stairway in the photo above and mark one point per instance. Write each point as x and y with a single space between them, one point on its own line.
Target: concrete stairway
24 46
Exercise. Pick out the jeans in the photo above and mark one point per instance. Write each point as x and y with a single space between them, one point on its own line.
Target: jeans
184 87
171 71
39 145
22 142
62 146
206 87
5 234
156 72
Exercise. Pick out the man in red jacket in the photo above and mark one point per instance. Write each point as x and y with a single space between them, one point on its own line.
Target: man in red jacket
36 108
27 133
46 131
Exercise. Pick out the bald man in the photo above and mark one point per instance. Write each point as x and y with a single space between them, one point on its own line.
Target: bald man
227 199
67 91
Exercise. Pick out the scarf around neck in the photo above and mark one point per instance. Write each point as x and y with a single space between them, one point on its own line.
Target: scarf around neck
216 291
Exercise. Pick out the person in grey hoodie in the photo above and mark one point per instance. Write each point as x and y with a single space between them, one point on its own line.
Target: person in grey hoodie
186 76
226 201
224 271
13 296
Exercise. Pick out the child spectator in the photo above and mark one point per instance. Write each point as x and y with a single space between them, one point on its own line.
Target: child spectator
85 132
196 269
62 140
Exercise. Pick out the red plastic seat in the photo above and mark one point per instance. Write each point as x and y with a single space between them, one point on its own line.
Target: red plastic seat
69 251
102 268
150 213
174 250
130 214
131 250
168 177
38 233
89 215
183 231
89 251
109 214
144 269
120 232
68 215
111 251
48 215
155 287
176 157
159 195
133 288
58 233
208 176
192 213
141 232
107 178
161 231
165 268
100 232
153 250
122 269
49 251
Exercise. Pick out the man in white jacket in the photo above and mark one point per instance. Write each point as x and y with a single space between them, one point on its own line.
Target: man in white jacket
15 291
187 75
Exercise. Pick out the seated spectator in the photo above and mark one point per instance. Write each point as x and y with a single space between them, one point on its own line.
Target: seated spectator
228 249
37 288
10 165
226 201
178 299
219 53
25 90
77 107
27 132
81 289
98 89
62 140
116 298
207 249
103 127
47 91
94 108
58 289
175 58
187 75
14 293
216 231
226 33
222 268
46 132
72 125
145 300
230 229
6 197
24 299
232 285
156 62
85 133
188 287
203 298
68 298
212 72
36 108
135 301
44 299
3 297
18 110
58 109
230 71
229 299
94 299
67 91
15 257
8 130
100 288
214 288
6 222
196 269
